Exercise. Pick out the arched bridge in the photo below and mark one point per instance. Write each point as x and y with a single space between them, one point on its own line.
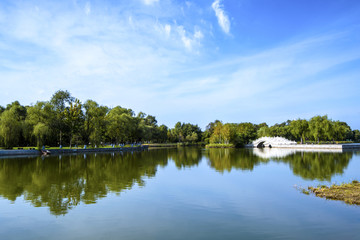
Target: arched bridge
271 142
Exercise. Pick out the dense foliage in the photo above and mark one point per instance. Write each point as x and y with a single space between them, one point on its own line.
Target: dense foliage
318 128
64 120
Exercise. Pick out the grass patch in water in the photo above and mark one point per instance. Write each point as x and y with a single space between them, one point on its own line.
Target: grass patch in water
346 192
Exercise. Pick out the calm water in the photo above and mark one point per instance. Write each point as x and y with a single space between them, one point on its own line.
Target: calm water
177 194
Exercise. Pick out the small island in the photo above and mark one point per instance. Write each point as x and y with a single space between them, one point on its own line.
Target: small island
347 192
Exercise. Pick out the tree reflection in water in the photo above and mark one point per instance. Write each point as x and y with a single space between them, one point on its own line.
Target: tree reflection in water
186 157
229 158
308 165
63 182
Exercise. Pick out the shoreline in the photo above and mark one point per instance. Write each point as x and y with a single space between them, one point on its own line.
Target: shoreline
6 153
315 146
344 146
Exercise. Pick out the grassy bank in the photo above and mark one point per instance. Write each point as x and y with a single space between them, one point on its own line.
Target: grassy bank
220 145
347 192
73 147
182 144
160 145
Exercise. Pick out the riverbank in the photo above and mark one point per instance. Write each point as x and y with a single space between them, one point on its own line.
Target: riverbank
220 145
346 192
161 145
314 146
174 145
347 146
5 153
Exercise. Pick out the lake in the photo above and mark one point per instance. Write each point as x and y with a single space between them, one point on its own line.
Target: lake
184 193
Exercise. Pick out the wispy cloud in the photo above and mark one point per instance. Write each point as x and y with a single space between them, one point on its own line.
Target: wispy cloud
87 8
188 40
221 15
167 29
150 2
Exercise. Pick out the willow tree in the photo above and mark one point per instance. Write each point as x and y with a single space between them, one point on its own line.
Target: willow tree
320 128
121 125
39 120
60 102
73 117
10 127
94 122
299 129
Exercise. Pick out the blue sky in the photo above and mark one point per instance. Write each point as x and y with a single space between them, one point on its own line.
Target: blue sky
189 61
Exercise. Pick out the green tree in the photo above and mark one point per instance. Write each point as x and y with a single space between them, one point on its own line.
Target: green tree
281 130
299 129
263 132
320 128
341 131
217 133
121 125
73 117
356 134
60 101
39 120
94 122
162 133
10 126
246 132
40 131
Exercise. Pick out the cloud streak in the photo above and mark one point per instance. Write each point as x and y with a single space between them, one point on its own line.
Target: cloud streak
221 15
150 2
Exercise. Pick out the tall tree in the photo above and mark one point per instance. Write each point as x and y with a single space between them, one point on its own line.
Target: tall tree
60 101
39 119
320 128
94 122
121 125
73 117
299 129
341 131
10 125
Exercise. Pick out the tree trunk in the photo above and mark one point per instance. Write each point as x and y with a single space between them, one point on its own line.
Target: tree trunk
60 136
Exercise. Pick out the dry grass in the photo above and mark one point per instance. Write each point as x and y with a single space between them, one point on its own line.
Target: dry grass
347 192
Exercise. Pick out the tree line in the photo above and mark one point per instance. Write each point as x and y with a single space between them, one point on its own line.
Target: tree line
65 120
318 128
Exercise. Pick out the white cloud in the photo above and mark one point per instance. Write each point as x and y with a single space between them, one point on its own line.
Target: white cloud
223 19
150 2
198 35
189 41
167 30
87 8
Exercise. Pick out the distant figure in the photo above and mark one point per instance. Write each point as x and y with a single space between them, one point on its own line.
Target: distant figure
60 146
84 146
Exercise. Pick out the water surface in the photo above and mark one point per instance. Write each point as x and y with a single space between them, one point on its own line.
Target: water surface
185 193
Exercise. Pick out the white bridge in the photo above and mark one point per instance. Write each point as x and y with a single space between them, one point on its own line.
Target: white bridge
271 142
